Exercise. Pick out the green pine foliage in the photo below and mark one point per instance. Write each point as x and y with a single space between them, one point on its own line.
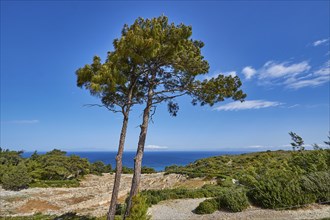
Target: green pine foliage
139 208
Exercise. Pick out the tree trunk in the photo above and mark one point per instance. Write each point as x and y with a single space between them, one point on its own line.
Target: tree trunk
119 167
139 153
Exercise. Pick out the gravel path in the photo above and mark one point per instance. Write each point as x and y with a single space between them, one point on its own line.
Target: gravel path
181 209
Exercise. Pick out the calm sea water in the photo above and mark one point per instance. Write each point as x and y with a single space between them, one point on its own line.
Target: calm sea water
155 159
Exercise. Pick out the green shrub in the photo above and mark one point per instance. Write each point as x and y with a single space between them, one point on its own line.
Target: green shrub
147 170
155 196
73 216
280 189
225 182
99 167
127 170
234 200
139 208
318 184
207 207
16 178
120 209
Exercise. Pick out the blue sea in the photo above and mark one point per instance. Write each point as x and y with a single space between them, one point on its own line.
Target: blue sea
155 159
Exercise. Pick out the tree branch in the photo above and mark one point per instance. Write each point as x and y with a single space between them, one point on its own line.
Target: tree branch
161 99
105 106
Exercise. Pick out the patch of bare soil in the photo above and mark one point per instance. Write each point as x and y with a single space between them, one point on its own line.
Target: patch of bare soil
75 200
36 205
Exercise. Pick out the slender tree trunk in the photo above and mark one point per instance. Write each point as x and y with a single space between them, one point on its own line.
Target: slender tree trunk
119 167
139 153
119 157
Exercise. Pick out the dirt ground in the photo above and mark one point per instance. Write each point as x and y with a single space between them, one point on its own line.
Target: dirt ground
91 197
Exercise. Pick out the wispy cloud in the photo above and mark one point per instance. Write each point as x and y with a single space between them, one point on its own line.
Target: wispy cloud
272 69
155 147
316 78
24 122
251 104
320 42
248 72
256 146
294 106
290 75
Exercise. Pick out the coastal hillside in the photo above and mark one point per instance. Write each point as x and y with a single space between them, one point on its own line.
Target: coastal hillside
277 180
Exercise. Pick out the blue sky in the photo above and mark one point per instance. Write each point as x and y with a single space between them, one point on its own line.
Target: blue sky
279 49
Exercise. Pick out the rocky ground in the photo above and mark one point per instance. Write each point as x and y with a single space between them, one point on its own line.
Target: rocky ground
183 209
92 197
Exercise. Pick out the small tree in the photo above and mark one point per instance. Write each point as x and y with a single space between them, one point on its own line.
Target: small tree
115 82
328 142
297 143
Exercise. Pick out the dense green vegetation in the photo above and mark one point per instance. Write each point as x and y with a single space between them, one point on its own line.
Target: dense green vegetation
278 180
53 169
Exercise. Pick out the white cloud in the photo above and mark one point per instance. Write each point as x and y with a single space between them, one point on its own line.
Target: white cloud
318 77
24 122
324 70
155 147
248 72
309 82
291 75
256 146
320 42
272 69
251 104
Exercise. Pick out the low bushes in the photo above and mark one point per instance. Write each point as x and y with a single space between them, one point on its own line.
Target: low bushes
317 183
16 178
155 196
231 199
280 189
234 200
207 207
